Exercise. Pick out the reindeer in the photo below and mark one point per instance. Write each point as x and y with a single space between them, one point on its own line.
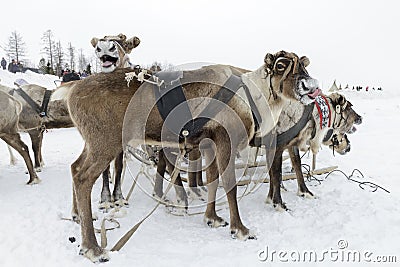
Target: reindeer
31 97
319 127
113 52
111 116
11 110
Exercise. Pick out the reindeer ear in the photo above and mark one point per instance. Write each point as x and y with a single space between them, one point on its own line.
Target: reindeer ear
94 41
269 62
342 100
305 61
131 43
122 37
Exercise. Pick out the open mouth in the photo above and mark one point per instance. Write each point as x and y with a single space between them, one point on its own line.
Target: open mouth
108 61
314 94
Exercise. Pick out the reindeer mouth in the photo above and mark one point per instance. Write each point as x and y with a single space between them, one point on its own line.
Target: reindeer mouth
108 61
314 94
308 90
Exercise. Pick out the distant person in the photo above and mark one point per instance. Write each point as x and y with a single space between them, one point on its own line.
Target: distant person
13 66
70 76
3 63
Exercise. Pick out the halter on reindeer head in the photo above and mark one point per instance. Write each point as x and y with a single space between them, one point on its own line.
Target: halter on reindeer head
113 51
285 68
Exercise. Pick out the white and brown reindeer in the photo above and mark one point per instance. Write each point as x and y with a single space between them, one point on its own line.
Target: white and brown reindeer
113 51
9 119
327 122
101 108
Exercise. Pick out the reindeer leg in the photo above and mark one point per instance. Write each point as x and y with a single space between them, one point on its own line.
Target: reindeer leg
296 163
181 196
226 168
14 140
36 139
195 176
210 216
161 168
119 199
88 172
105 198
275 174
74 170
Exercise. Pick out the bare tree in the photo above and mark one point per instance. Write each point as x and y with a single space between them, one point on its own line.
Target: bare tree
82 61
59 58
49 46
15 49
71 54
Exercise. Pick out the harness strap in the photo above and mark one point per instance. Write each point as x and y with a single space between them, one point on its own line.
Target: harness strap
224 95
328 135
170 97
28 99
254 110
183 119
285 137
41 110
45 103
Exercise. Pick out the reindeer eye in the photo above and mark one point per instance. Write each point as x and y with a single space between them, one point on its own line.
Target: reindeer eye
98 49
280 66
112 49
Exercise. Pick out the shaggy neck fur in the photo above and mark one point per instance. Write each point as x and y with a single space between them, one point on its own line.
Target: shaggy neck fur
260 89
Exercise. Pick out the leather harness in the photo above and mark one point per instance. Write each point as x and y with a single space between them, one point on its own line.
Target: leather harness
170 97
41 110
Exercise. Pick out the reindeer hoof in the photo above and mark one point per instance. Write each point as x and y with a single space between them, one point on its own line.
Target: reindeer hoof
106 206
268 200
33 181
242 234
121 203
280 207
178 211
215 222
96 254
306 194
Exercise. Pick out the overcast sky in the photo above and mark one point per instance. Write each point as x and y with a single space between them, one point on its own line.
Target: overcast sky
353 41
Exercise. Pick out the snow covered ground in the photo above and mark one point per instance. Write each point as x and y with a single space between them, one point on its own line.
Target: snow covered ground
343 219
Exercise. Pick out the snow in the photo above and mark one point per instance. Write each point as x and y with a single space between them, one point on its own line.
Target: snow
33 233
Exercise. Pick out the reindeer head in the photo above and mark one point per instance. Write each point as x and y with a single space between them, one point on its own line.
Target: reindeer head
113 51
339 142
289 78
344 116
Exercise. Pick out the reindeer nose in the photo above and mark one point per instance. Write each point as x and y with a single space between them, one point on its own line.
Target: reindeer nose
358 120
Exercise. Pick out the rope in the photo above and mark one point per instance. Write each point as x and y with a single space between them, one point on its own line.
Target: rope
125 238
362 184
141 78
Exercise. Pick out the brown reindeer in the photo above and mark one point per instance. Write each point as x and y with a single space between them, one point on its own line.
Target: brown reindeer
312 134
101 105
10 112
113 52
30 121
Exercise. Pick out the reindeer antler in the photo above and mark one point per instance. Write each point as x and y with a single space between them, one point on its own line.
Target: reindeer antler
119 38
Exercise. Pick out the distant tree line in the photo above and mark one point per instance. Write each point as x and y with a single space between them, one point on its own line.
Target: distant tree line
54 59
